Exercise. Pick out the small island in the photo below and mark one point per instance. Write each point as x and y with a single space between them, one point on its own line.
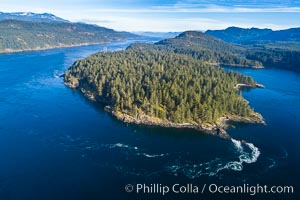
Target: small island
154 87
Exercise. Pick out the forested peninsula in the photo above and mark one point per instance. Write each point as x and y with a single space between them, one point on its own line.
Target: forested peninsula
157 87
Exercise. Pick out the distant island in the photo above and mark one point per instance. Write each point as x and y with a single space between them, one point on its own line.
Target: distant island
158 85
275 49
238 35
30 31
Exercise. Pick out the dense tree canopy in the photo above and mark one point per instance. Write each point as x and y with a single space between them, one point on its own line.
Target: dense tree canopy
24 35
161 84
279 58
203 47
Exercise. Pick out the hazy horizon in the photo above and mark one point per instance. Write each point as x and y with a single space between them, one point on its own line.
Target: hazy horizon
170 15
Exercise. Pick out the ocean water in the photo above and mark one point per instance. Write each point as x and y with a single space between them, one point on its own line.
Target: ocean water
55 144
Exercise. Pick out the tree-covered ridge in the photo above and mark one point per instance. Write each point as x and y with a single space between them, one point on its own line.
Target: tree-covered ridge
205 48
198 39
254 35
280 49
162 85
278 58
25 35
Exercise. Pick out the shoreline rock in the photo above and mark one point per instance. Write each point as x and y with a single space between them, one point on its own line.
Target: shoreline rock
218 128
241 85
7 51
237 65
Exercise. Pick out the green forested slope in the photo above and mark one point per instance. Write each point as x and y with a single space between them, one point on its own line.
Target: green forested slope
276 49
254 35
24 35
205 48
168 86
276 58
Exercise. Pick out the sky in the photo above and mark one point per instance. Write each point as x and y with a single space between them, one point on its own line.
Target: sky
168 15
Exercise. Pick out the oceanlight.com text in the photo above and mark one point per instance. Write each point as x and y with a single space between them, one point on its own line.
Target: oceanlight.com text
247 189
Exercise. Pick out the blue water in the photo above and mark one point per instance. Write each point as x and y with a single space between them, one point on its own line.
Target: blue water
56 145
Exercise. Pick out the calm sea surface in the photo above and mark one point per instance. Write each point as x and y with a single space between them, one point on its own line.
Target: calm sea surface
56 145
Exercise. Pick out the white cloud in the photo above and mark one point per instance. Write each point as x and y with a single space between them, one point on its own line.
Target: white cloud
192 8
195 9
179 17
175 24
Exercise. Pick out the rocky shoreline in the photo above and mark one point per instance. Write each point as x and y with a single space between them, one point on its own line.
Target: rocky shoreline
218 128
143 119
5 51
242 85
237 65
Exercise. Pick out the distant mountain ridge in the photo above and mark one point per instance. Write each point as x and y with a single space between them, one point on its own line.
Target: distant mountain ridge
161 35
280 49
23 31
29 16
292 34
27 35
199 39
254 35
203 47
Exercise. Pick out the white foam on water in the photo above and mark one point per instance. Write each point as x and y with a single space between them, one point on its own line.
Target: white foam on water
152 155
234 165
213 167
247 153
119 145
134 150
254 154
244 156
192 170
237 145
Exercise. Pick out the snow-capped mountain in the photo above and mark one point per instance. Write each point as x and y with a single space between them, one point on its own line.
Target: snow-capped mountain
29 16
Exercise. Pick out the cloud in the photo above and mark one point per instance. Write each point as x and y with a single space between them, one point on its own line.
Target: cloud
194 8
169 15
132 24
163 25
95 21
